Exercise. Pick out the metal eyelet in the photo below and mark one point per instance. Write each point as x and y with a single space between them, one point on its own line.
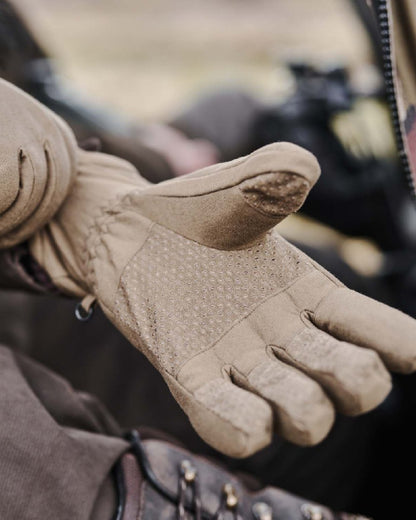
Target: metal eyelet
262 511
231 499
312 512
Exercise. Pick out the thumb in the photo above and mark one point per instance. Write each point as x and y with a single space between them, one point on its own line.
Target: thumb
232 204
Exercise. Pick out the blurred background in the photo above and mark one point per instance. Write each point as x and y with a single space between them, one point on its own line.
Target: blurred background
146 59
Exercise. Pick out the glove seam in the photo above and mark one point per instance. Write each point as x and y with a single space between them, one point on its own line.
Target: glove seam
317 306
304 433
193 397
105 216
239 320
299 365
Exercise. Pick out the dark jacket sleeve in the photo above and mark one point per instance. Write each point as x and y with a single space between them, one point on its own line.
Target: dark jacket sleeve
19 270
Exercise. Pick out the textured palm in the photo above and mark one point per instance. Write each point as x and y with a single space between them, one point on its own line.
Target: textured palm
180 297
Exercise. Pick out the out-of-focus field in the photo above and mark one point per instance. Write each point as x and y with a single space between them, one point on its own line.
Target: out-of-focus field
148 57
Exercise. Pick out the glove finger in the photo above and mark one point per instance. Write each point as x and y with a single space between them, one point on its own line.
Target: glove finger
232 420
358 319
354 377
303 413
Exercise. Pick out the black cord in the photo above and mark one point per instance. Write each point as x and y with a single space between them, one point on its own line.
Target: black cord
137 449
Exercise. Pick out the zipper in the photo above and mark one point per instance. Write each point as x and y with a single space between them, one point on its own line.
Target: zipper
382 13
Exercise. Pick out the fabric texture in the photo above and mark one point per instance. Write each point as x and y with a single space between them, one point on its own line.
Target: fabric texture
60 447
194 274
37 165
57 446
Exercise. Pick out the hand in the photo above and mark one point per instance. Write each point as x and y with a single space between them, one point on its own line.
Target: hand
250 334
184 155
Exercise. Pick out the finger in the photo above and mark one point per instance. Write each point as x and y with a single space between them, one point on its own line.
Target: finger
245 197
303 413
232 420
358 319
354 377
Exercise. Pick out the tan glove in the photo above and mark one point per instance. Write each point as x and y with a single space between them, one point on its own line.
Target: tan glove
249 333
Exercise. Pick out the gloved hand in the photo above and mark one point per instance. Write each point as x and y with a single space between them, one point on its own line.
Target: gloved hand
250 334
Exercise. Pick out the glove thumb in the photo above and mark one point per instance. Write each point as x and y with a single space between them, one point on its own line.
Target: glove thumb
230 205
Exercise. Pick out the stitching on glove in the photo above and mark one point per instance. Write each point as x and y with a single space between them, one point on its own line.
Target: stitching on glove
193 397
303 433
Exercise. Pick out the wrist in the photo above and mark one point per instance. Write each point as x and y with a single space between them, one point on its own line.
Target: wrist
66 246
